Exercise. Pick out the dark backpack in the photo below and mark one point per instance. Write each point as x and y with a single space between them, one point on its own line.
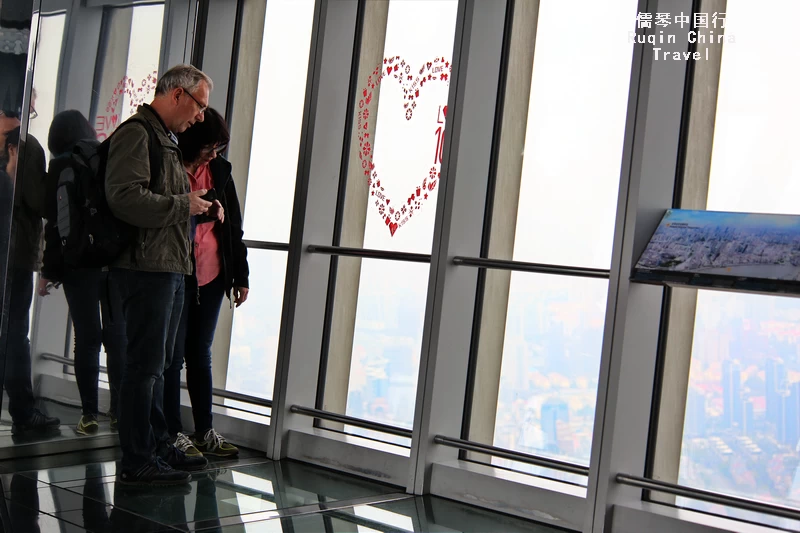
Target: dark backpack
91 236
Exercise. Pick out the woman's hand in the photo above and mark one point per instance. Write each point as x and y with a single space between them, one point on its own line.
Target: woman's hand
217 211
240 295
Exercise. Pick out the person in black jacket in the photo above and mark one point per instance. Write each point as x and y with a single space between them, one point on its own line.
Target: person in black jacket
221 268
25 163
90 292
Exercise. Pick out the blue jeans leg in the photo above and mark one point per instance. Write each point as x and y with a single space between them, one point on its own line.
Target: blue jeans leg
152 305
115 338
195 338
172 374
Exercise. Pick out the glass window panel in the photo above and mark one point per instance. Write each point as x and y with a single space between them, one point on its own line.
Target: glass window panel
742 423
573 140
740 433
548 357
45 74
143 55
754 164
387 339
256 327
129 69
401 120
278 119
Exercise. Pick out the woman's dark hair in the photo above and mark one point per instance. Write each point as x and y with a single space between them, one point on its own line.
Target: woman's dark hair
67 129
203 135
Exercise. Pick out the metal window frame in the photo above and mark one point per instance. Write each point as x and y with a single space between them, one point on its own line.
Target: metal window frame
628 369
613 500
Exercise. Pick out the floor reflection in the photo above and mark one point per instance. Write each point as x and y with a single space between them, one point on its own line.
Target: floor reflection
248 495
69 417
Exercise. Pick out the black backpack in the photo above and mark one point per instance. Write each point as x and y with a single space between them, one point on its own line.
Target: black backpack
91 236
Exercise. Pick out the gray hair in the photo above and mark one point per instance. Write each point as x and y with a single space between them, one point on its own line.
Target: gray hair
182 77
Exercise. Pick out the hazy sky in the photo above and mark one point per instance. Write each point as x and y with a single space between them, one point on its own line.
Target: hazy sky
754 164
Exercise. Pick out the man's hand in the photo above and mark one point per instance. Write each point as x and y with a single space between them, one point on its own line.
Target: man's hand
44 288
217 211
240 295
198 206
45 285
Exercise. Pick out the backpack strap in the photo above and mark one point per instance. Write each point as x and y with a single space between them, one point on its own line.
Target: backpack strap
153 149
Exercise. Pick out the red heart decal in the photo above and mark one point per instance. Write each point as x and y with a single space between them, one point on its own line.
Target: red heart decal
411 89
135 93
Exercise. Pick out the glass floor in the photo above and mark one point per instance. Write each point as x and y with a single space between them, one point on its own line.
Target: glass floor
77 492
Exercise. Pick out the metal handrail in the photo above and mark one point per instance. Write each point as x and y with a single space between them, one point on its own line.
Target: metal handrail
351 421
368 253
228 395
543 462
536 268
708 496
267 245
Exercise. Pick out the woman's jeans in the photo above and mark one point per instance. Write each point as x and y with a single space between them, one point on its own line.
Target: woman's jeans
92 294
193 345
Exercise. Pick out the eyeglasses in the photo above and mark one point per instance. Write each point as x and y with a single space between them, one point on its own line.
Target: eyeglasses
215 149
202 107
33 114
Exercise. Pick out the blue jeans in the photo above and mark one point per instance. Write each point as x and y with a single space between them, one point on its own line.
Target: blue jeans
15 349
193 344
152 304
89 293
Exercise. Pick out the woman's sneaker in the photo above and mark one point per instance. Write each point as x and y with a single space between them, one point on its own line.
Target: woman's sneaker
156 472
185 444
178 460
88 425
215 444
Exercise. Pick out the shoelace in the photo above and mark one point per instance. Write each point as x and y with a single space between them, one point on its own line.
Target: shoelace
183 442
213 437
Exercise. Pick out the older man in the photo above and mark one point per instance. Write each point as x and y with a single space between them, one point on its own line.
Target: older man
151 272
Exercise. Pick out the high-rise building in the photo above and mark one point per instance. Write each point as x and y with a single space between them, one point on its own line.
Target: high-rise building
775 376
695 425
553 411
748 418
731 393
780 420
792 416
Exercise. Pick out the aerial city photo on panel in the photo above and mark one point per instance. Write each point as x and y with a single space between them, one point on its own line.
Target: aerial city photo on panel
742 245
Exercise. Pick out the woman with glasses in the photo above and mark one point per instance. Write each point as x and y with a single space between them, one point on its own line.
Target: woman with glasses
220 269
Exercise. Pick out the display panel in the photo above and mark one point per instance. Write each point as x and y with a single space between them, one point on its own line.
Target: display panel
744 251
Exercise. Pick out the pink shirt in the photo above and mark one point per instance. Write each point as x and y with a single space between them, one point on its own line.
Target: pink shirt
208 262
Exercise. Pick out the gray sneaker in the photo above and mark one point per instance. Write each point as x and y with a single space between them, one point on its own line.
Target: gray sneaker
185 444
